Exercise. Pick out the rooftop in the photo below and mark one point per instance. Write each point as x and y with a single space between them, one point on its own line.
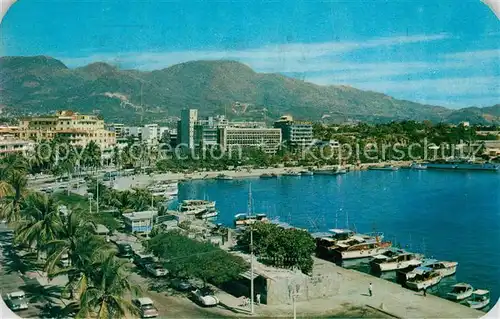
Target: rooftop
140 215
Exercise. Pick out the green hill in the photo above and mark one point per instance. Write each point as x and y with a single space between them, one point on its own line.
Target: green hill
43 84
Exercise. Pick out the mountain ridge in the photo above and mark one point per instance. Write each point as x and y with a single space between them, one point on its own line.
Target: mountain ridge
42 84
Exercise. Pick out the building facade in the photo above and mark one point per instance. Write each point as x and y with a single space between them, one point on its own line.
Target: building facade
267 139
10 144
77 129
186 133
140 222
295 134
150 134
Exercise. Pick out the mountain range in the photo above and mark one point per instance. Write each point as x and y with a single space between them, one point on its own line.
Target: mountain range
40 84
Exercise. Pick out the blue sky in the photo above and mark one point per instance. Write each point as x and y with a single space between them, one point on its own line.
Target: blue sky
442 52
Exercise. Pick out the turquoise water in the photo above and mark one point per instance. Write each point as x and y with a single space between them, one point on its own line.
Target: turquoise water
447 215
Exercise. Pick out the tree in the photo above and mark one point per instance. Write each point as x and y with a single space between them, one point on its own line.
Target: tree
12 199
92 155
40 221
281 247
188 258
104 297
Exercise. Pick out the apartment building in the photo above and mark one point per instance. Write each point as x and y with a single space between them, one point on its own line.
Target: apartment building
267 139
295 134
185 127
10 144
77 129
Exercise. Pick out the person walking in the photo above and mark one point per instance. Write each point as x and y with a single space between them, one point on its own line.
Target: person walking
425 291
370 289
258 299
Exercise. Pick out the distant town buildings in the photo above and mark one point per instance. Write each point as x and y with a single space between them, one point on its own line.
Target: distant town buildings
295 134
267 139
185 128
77 129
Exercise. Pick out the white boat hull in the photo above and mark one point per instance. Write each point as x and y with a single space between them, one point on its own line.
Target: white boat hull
391 266
478 305
447 271
362 253
424 284
460 296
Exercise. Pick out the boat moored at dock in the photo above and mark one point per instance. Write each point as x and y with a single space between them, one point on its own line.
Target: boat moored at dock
268 175
423 278
462 164
480 298
291 173
206 214
194 206
460 291
383 168
241 220
395 259
361 249
224 177
338 171
306 173
444 268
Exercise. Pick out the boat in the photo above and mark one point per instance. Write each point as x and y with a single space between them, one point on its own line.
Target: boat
444 268
355 248
395 259
207 214
193 206
291 173
460 291
268 175
246 219
224 177
423 278
338 171
166 190
418 166
462 164
480 299
383 168
306 173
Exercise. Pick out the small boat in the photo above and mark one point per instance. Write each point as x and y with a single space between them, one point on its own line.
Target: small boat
444 268
423 278
207 214
480 299
306 173
460 291
245 219
395 259
338 171
347 250
418 166
193 206
223 177
291 173
383 168
268 175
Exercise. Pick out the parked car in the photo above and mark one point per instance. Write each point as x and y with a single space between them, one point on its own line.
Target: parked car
142 260
125 250
17 301
64 261
181 284
156 269
146 307
204 298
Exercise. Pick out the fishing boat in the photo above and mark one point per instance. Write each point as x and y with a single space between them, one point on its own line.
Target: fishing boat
460 291
193 206
362 249
338 171
291 173
444 268
268 175
395 259
423 278
480 299
418 166
246 219
207 214
306 173
224 177
383 168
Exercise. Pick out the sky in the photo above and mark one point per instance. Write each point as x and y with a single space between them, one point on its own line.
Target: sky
440 52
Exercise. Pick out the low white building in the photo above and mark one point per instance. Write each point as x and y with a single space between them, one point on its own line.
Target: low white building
141 222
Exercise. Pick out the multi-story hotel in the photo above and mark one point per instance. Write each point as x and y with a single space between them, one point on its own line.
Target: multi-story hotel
77 129
185 127
295 134
9 143
267 139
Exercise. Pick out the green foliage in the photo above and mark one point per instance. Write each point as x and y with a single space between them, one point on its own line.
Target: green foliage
189 258
280 247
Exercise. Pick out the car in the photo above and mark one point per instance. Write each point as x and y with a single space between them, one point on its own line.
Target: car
64 261
125 250
141 261
17 300
156 269
181 284
204 298
146 307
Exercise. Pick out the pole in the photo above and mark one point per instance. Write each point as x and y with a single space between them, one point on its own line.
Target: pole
294 306
251 272
97 197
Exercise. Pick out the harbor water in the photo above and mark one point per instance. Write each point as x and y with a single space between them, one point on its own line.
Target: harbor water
445 215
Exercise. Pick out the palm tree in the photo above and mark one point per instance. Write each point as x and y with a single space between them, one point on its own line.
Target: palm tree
75 227
40 221
92 155
8 166
104 296
11 202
